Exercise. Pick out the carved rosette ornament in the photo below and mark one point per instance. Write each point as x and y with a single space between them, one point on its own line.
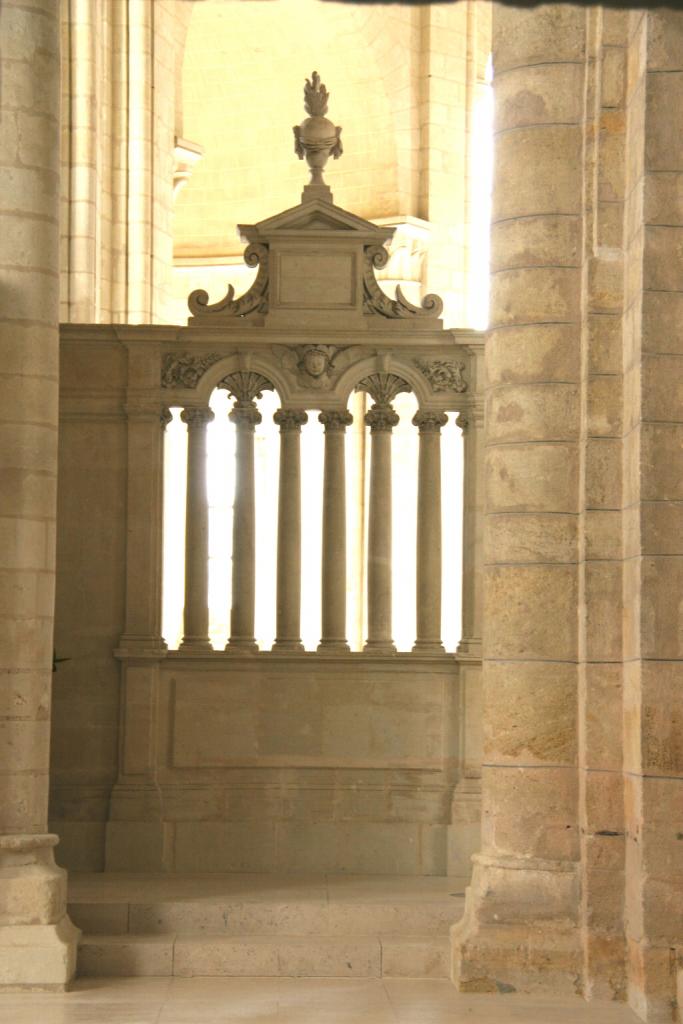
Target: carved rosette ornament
290 420
254 300
430 422
443 374
335 422
377 301
185 370
316 138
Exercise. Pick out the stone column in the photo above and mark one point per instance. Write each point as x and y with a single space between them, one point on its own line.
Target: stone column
381 420
288 608
472 424
464 838
520 924
428 590
246 417
37 940
334 533
196 614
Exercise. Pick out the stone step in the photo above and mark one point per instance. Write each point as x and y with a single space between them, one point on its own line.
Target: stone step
303 917
290 956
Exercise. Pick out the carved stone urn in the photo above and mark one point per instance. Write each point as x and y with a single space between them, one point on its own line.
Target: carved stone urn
317 138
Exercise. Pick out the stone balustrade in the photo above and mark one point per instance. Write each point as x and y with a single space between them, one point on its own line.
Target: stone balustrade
381 418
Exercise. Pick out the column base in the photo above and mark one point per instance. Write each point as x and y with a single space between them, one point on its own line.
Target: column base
519 932
470 647
333 647
379 647
428 647
195 643
38 956
241 645
288 646
37 940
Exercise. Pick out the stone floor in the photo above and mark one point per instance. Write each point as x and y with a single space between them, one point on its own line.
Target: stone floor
293 1001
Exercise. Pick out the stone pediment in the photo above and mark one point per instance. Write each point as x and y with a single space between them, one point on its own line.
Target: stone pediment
313 218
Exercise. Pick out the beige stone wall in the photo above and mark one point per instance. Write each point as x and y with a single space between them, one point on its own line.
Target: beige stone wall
118 121
653 418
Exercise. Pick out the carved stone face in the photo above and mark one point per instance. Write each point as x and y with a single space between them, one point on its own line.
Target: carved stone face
315 362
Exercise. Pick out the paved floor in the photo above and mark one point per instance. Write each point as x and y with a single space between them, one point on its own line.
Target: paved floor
293 1001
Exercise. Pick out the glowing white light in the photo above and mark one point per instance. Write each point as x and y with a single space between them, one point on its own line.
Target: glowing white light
175 482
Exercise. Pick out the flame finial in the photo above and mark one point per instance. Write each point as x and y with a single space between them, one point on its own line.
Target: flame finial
316 138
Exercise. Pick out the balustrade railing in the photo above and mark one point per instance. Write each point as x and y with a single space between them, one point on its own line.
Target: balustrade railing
381 388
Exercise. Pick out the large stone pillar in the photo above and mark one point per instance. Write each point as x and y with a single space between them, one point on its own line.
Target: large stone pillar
520 925
37 940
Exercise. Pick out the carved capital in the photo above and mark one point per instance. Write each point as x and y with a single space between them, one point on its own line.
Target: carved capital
196 418
462 421
185 370
381 418
245 415
430 422
245 385
166 417
335 422
290 420
383 387
443 374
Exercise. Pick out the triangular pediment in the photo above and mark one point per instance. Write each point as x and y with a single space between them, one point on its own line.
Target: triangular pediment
313 218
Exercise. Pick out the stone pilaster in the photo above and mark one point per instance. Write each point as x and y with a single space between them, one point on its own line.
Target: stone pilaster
288 607
334 533
519 928
37 939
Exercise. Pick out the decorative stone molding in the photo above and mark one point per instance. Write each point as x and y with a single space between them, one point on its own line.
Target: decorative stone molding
185 370
430 422
383 387
290 419
245 385
316 138
335 422
462 420
314 364
443 374
196 417
254 300
377 301
165 417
